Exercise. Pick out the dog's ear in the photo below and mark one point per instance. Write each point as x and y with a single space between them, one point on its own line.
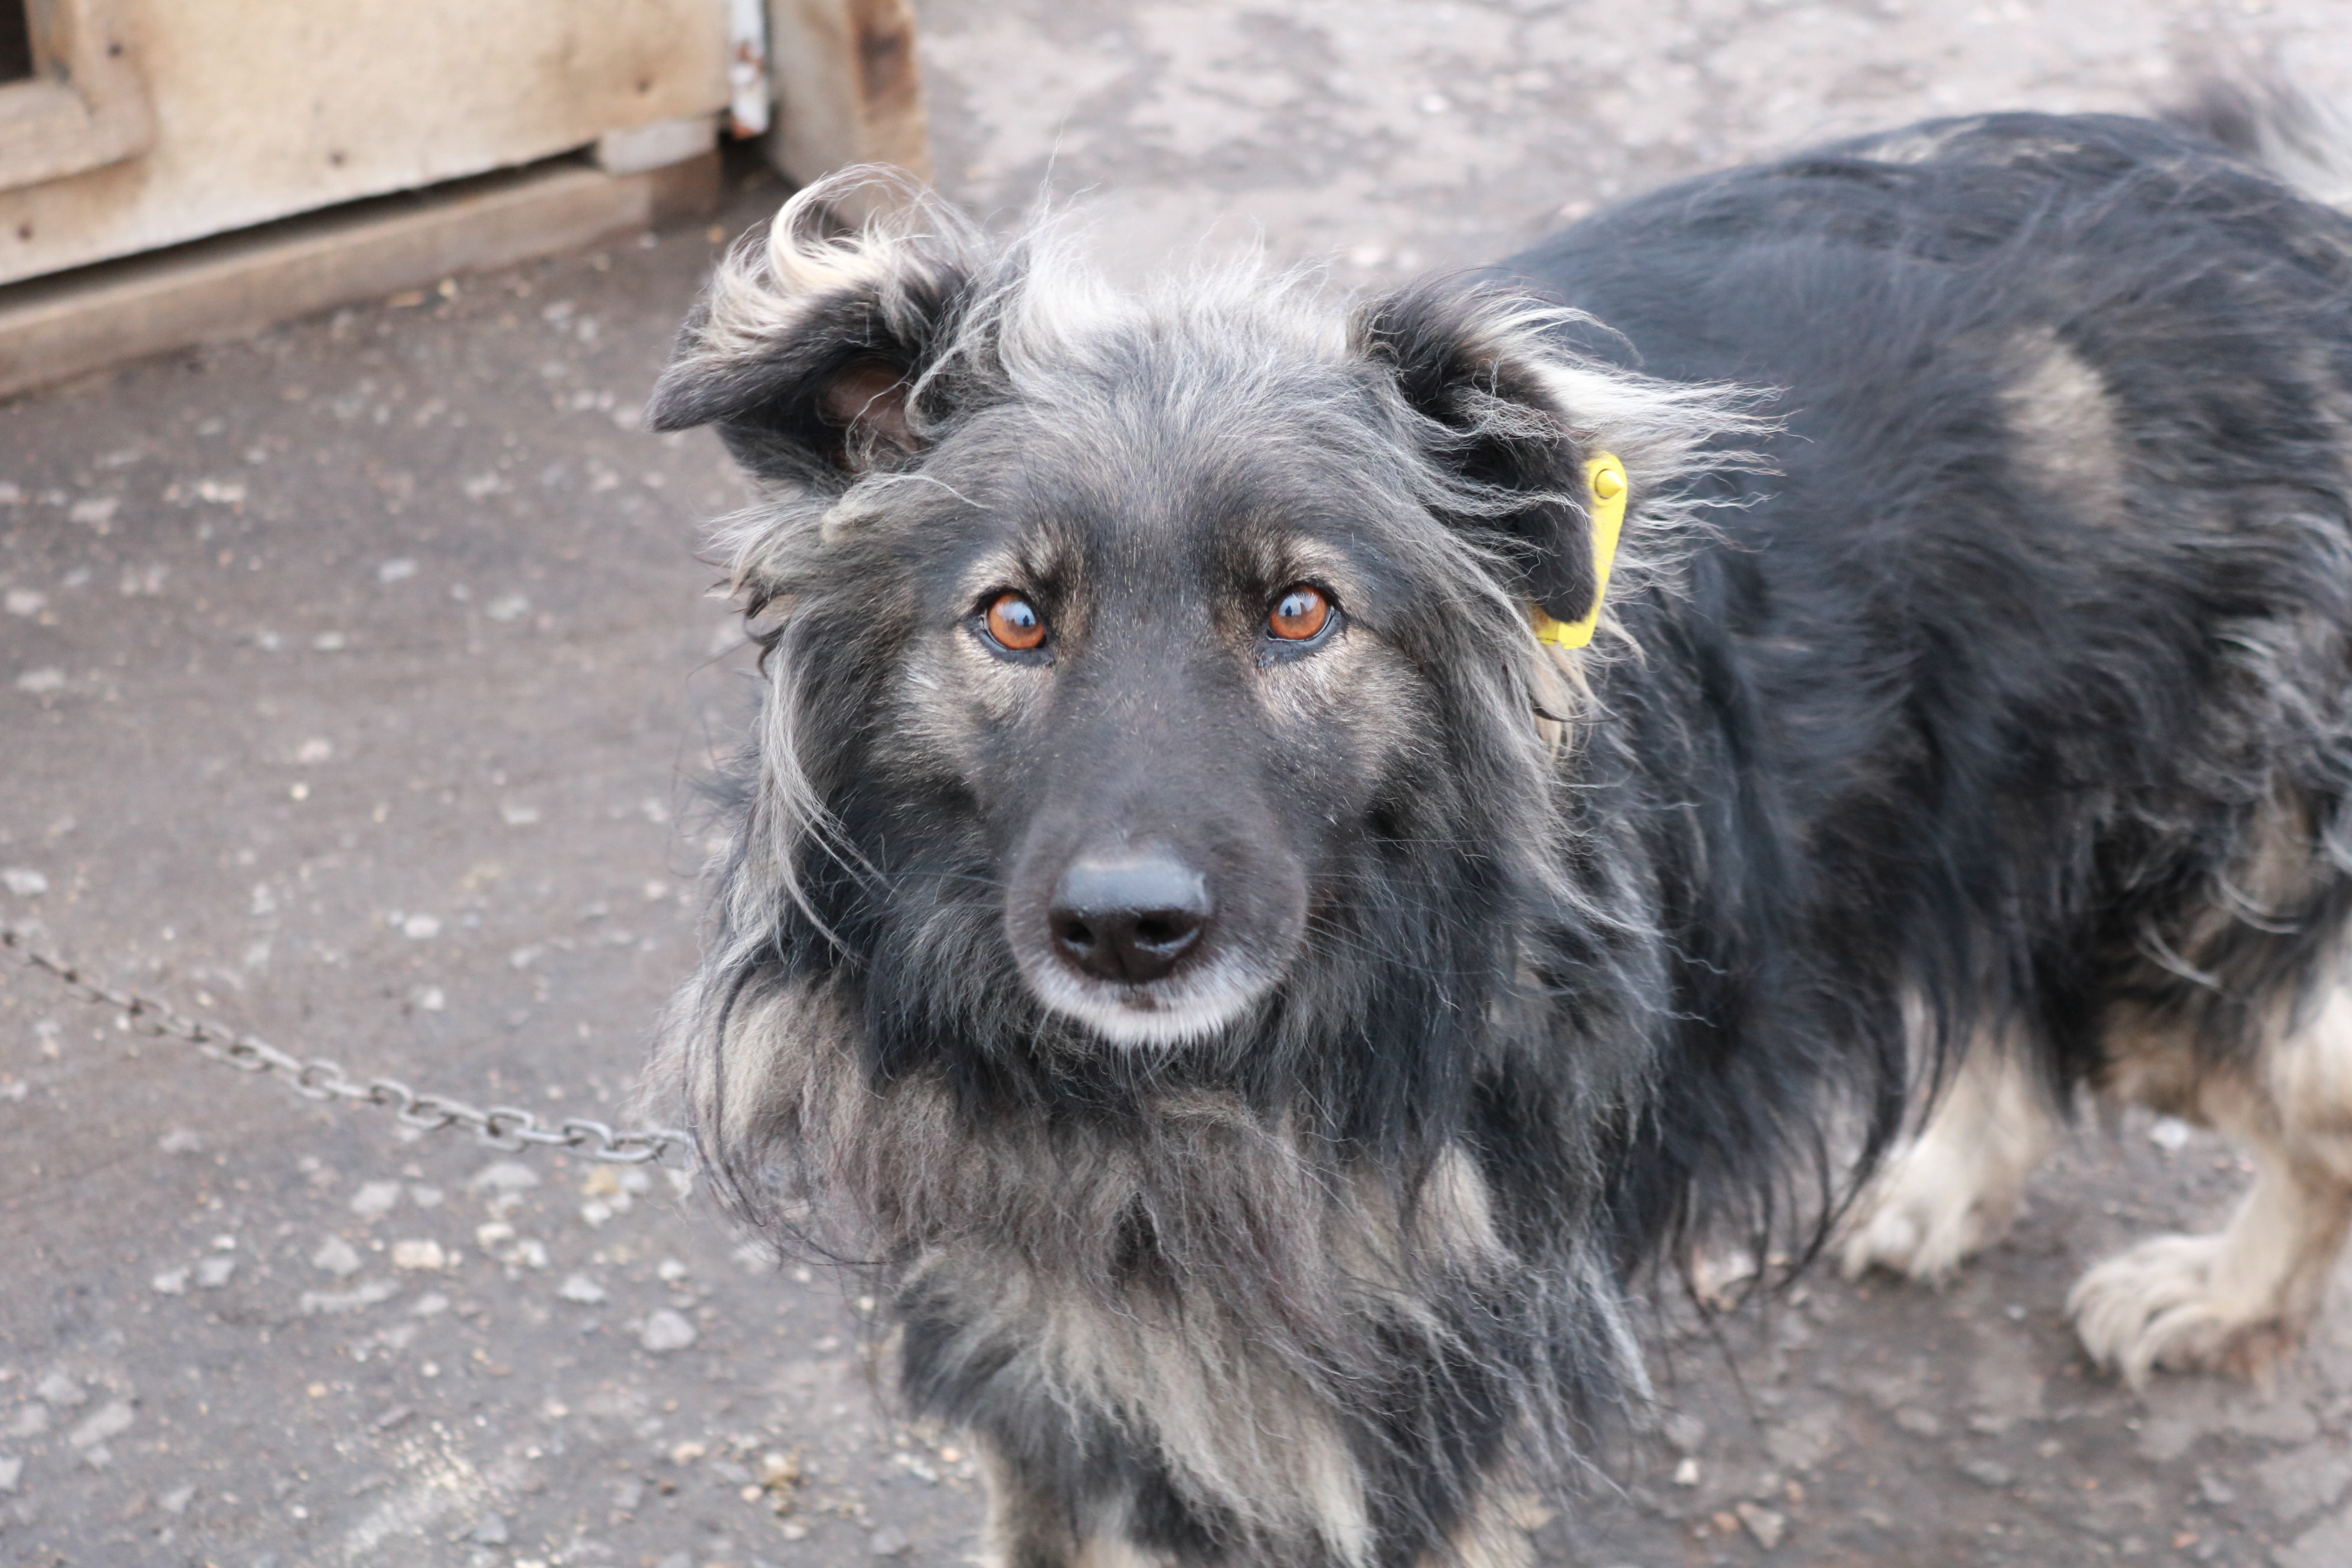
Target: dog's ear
1482 384
815 352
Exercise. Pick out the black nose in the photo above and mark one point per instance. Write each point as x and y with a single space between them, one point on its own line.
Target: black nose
1128 920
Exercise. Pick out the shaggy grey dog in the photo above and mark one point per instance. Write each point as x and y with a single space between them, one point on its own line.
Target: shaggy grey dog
1262 994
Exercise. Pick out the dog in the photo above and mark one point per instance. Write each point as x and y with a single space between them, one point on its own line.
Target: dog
1292 856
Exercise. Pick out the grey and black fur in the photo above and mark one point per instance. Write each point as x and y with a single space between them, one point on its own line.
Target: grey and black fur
1983 715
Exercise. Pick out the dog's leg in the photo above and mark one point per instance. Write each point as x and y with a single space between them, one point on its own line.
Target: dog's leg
1953 1188
1027 1527
2238 1301
2234 1301
1032 1527
1500 1533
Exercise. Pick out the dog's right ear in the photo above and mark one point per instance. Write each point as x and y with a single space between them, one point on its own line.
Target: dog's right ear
815 351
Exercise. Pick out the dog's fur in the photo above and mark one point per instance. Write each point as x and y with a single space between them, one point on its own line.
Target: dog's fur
1987 716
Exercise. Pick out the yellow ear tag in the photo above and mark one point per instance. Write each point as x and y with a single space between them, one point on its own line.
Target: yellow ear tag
1605 477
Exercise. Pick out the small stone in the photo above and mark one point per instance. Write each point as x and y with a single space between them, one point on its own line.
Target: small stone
336 1257
669 1271
171 1282
2169 1133
12 1471
778 1471
1686 1473
1989 1473
2301 1479
503 1177
176 1501
490 1530
396 570
2216 1491
1763 1523
26 600
420 927
889 1542
22 881
426 1197
581 1288
181 1141
1918 1422
666 1331
96 512
41 683
418 1255
335 1303
61 1391
2327 1544
376 1199
109 1420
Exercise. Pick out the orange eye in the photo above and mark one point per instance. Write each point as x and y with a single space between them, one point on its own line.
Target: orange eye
1299 613
1015 624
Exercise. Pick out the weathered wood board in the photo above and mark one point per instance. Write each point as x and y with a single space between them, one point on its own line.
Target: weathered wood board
262 109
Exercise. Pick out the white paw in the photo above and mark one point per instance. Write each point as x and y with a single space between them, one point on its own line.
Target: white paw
2165 1304
1923 1216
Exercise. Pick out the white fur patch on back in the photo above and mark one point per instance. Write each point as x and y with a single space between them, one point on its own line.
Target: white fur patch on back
2061 422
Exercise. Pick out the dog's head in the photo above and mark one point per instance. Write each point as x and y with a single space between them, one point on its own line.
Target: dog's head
1172 651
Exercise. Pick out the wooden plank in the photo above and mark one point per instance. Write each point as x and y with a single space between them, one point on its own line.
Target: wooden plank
231 287
848 90
264 109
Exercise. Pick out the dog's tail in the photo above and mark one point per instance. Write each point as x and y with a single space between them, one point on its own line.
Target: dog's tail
2262 116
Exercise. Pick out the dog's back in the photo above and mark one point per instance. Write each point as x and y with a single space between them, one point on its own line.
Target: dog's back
2027 673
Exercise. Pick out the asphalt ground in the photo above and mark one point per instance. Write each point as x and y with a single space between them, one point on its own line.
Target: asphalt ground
354 684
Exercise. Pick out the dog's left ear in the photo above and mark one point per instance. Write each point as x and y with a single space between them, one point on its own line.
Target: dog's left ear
1476 368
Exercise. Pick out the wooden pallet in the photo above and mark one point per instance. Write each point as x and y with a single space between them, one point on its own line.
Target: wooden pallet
72 322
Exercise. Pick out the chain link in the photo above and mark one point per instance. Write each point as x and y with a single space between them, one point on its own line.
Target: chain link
511 1127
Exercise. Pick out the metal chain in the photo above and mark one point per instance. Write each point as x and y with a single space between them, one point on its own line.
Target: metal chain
509 1127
